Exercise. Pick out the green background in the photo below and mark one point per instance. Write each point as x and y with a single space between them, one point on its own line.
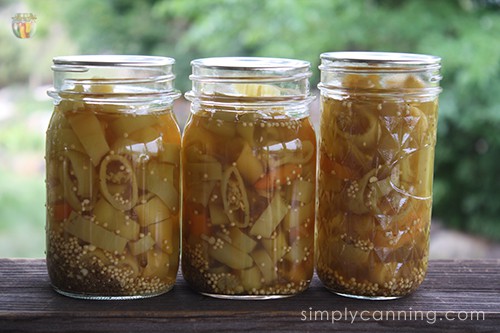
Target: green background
465 33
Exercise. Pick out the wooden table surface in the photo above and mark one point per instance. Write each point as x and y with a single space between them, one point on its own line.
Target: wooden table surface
457 296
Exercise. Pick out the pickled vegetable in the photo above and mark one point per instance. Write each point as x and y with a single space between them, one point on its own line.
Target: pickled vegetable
113 198
375 184
248 177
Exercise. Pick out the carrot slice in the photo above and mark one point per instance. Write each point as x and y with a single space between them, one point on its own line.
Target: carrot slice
301 231
197 220
278 176
341 171
298 272
61 210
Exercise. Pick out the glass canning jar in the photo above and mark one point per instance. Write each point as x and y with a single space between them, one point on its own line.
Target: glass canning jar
113 169
376 156
249 173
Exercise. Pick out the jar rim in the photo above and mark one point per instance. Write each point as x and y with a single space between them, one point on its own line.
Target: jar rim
249 70
218 78
390 62
128 74
106 60
250 63
379 58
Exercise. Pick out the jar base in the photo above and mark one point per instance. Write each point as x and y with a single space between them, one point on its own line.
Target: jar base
247 297
368 298
107 297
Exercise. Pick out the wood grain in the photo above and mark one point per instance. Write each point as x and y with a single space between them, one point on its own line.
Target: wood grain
452 289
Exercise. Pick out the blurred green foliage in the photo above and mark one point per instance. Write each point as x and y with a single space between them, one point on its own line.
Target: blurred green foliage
21 237
465 33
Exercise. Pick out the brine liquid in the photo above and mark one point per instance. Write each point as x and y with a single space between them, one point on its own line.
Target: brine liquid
375 193
112 201
248 203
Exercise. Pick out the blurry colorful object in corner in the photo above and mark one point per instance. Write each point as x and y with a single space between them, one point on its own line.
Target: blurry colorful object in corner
24 25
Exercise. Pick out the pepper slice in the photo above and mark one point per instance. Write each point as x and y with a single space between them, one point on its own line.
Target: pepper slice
117 182
234 198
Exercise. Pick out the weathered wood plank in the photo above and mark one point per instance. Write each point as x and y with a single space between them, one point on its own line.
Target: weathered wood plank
452 290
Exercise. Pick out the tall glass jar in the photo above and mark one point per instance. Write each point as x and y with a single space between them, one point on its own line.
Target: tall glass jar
113 166
378 132
249 178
